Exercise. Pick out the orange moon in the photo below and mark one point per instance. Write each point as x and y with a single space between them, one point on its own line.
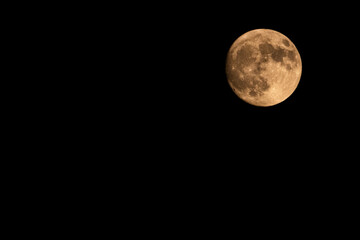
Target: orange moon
263 67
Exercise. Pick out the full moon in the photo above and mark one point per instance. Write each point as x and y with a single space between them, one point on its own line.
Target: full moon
263 67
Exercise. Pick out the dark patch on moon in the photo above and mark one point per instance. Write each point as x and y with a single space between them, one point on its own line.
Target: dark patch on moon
253 93
291 55
233 75
266 48
258 35
278 55
244 56
286 42
263 84
288 67
240 83
264 59
260 67
256 85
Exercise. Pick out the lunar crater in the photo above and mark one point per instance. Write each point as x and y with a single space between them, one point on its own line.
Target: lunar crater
286 42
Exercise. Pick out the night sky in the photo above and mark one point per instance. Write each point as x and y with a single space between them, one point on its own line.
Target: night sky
183 53
182 95
131 106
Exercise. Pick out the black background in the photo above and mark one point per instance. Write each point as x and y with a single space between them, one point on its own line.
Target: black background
134 102
149 80
182 94
191 134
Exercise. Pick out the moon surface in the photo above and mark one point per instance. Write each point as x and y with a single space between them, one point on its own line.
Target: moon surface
263 67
